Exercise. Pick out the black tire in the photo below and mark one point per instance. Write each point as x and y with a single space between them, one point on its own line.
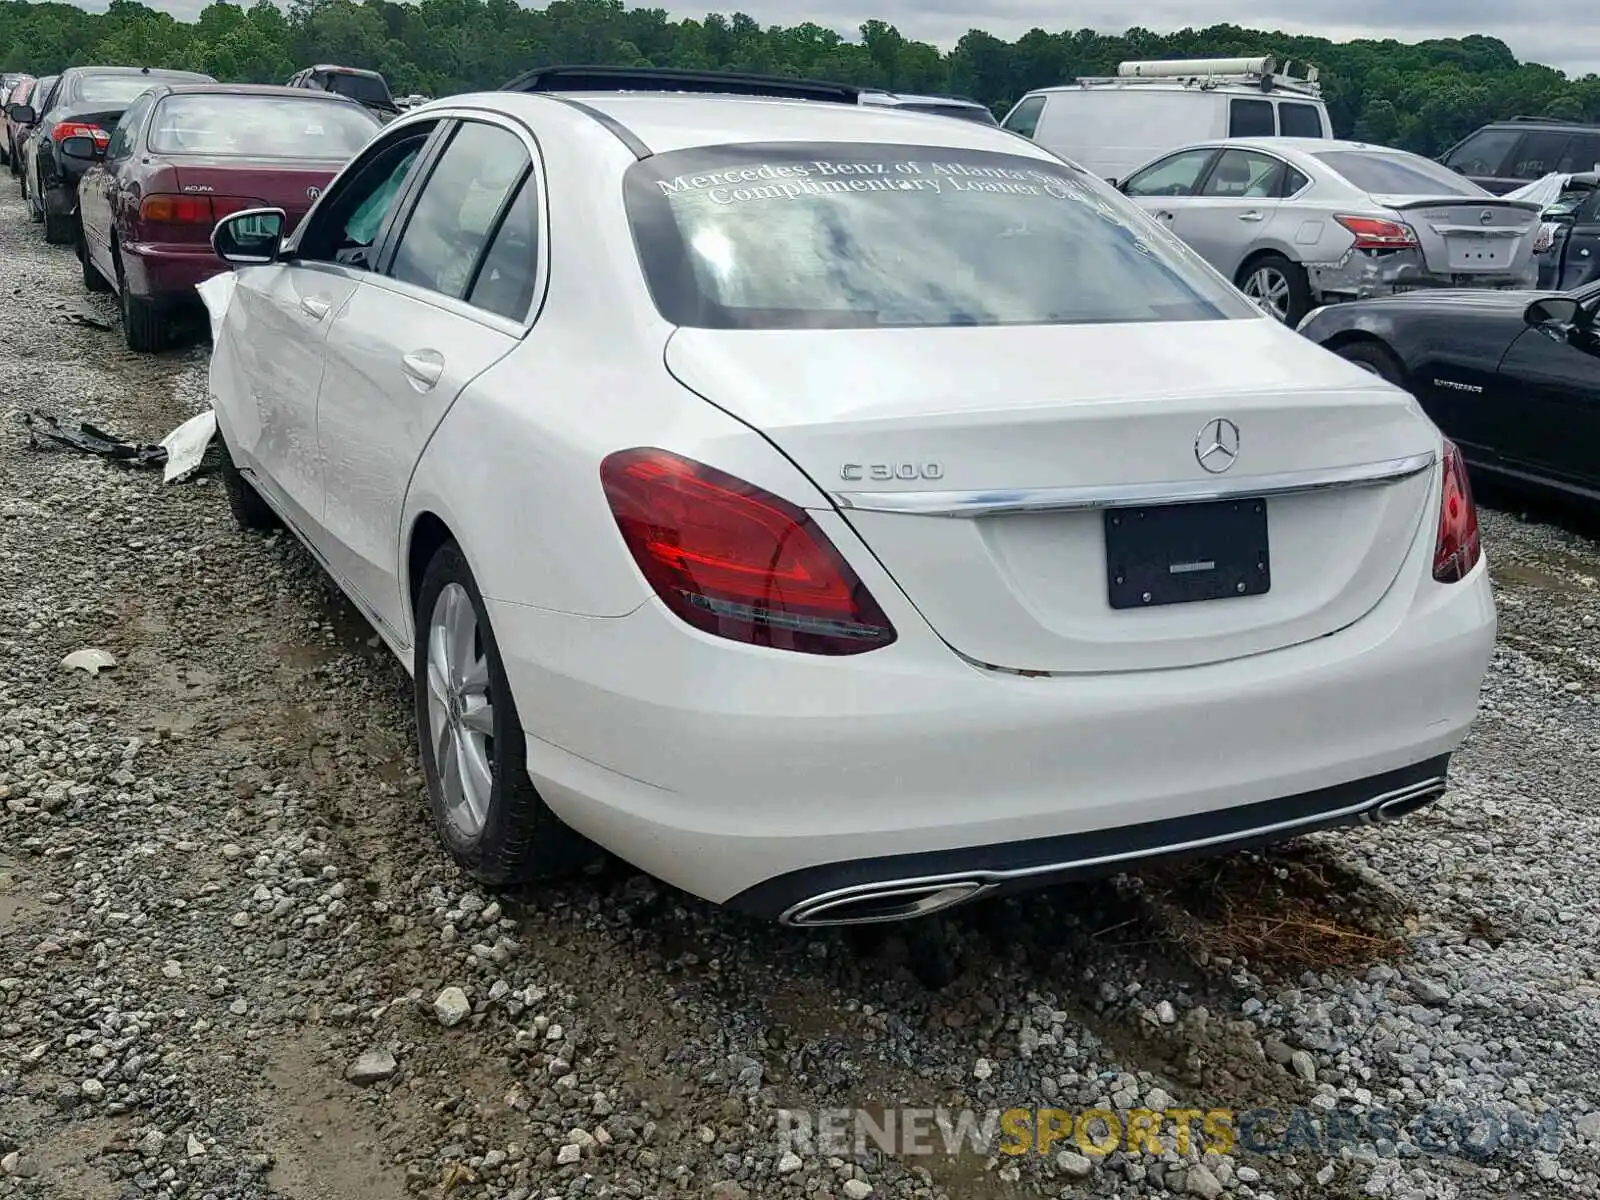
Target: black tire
144 327
59 230
250 512
93 281
1297 301
521 839
1377 358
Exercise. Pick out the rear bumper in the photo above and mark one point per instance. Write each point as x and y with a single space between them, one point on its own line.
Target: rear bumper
167 275
861 891
761 778
1363 274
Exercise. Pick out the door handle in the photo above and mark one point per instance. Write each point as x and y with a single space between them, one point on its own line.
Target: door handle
315 306
423 367
1163 214
1252 215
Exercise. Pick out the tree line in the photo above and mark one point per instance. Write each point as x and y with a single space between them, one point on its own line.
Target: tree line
1422 96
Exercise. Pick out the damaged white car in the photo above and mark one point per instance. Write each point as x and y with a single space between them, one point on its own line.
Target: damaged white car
835 512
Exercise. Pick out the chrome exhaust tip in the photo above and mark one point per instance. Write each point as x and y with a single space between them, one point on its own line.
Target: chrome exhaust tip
872 904
1408 802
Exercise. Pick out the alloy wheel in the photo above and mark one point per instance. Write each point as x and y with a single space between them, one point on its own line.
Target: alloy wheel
1269 288
460 709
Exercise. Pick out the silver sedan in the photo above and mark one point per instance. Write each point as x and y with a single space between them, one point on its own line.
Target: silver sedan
1299 222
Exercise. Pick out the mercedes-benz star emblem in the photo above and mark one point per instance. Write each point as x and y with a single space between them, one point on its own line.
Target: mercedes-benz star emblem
313 192
1217 445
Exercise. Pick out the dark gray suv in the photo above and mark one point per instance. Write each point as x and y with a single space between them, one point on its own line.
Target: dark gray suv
1507 154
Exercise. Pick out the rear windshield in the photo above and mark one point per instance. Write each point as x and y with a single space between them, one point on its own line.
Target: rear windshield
791 235
964 112
363 88
1391 174
260 126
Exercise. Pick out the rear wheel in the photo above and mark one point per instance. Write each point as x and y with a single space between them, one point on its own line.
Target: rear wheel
93 281
1278 285
1377 358
474 753
144 327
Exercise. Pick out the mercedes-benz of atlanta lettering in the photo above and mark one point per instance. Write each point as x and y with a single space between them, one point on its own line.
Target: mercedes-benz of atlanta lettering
859 552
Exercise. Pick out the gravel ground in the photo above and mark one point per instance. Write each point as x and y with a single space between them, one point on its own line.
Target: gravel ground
233 962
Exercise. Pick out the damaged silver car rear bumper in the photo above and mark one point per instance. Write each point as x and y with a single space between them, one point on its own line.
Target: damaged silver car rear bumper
1364 273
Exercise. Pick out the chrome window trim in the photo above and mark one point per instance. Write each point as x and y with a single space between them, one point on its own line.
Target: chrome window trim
992 502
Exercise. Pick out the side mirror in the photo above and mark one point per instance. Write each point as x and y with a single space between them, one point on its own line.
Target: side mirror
249 238
1553 311
22 114
84 149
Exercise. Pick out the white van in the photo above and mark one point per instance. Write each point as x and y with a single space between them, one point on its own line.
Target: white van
1112 126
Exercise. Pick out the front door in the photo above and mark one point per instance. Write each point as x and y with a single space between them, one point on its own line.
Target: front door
1552 380
1235 203
286 310
446 304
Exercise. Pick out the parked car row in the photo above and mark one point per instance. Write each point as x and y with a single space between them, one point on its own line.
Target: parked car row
133 167
1212 522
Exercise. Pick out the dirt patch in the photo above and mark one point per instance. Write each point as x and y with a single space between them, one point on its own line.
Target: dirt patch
18 903
325 1135
1291 910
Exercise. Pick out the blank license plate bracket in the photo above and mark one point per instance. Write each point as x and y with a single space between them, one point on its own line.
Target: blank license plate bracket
1182 553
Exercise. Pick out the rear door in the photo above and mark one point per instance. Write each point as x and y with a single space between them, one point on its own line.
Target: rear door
101 192
451 299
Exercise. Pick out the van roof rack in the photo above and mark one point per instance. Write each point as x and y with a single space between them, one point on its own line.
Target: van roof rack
1542 121
1261 73
673 79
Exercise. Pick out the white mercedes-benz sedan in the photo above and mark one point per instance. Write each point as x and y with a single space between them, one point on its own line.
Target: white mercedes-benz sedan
838 512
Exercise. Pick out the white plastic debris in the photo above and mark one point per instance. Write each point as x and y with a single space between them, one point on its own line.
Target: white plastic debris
186 446
217 292
92 660
1544 191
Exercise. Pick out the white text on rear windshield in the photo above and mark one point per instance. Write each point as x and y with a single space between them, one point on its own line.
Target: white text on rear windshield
790 235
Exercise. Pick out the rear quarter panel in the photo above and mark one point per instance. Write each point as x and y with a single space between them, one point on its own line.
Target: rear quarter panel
1450 354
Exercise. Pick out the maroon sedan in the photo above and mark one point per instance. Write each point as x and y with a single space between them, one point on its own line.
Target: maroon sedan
184 155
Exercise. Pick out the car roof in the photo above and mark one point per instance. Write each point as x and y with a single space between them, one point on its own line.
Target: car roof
347 70
256 89
153 72
667 121
1295 147
919 98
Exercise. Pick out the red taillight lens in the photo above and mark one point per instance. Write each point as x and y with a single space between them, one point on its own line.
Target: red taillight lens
164 209
1459 547
736 561
176 210
72 129
1374 234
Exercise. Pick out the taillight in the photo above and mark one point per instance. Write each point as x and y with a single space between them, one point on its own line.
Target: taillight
1459 547
72 129
1371 233
163 209
736 561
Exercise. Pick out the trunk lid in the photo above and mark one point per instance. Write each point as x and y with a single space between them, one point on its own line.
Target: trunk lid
1485 236
996 411
235 184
